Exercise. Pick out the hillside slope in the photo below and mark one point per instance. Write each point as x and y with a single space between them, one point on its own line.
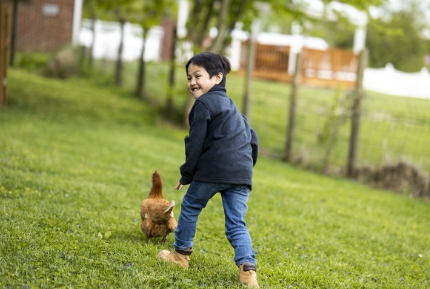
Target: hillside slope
76 160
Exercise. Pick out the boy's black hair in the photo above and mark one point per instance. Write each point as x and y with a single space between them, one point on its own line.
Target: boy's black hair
212 63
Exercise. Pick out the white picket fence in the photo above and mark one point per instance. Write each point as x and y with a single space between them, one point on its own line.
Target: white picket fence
386 80
108 36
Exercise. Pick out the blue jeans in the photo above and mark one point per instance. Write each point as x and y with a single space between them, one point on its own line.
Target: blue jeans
234 199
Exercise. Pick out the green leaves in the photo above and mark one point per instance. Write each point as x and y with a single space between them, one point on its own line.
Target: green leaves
397 38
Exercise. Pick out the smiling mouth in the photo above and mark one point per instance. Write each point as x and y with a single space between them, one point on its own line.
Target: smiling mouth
194 89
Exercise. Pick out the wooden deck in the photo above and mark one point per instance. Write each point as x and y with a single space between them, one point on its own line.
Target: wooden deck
323 68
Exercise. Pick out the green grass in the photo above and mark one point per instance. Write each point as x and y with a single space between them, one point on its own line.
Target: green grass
76 161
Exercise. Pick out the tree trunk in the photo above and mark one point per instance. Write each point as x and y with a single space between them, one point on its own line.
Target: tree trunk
93 40
118 66
198 35
232 22
141 71
293 108
13 32
169 104
217 44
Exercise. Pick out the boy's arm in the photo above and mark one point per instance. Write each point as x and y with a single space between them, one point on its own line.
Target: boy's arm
254 145
194 142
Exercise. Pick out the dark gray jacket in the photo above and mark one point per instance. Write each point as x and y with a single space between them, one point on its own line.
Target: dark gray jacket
220 147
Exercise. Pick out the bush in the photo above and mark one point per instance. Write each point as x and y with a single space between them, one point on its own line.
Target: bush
33 62
64 64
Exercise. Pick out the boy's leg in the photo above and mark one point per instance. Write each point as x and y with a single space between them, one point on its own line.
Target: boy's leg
235 201
195 199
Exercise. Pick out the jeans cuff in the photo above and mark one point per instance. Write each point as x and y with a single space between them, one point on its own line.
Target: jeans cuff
249 266
186 252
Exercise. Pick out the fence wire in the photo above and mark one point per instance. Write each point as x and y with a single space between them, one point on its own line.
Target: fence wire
394 137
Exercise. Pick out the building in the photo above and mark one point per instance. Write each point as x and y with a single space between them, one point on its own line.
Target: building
47 25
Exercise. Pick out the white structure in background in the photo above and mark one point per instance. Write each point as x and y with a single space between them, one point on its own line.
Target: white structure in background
391 81
108 36
183 8
77 16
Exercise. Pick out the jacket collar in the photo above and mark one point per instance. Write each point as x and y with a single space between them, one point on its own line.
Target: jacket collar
217 87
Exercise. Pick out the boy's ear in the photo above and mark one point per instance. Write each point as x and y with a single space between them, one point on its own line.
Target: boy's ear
219 77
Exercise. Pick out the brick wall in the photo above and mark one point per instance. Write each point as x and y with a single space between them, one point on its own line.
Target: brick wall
44 25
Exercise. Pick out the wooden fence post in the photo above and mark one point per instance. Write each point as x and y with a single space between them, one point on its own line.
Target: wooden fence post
250 64
292 109
4 43
355 116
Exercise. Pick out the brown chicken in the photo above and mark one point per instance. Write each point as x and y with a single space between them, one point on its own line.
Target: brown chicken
157 213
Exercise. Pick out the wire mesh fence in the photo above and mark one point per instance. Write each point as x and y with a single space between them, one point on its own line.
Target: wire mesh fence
394 136
324 125
380 139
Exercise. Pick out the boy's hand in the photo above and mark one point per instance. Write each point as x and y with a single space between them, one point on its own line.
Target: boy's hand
178 186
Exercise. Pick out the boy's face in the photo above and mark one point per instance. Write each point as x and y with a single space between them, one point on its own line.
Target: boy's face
199 81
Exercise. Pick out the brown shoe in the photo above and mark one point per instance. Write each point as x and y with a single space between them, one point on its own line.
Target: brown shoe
179 257
248 275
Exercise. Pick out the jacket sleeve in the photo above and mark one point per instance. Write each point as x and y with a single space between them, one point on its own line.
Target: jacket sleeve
194 142
254 145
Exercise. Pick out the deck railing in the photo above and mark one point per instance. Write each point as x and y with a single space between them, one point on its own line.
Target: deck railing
330 67
272 57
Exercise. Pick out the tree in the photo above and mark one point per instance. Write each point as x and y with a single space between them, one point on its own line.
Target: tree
338 31
209 13
398 37
148 14
16 4
91 8
121 9
202 12
224 14
339 34
217 43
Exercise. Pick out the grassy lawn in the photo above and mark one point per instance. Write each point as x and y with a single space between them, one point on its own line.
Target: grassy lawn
76 160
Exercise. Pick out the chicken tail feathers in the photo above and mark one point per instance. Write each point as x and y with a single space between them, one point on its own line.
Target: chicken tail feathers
170 207
157 186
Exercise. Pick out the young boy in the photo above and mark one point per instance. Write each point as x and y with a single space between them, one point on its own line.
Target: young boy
221 151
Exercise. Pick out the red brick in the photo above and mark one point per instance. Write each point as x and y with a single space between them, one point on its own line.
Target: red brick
46 33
